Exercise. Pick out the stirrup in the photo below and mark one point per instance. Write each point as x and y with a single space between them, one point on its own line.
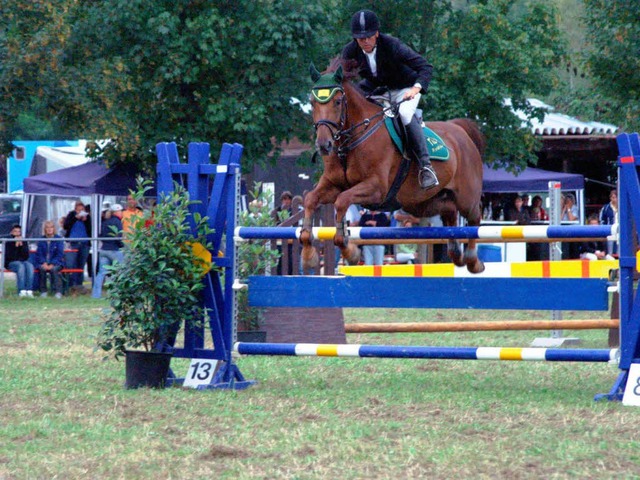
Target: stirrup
427 178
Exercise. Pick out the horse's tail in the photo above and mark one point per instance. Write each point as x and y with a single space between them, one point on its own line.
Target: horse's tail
474 132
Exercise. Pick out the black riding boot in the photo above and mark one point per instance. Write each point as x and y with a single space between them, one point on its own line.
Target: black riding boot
418 147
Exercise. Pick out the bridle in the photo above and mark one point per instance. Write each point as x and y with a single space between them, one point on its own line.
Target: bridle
348 139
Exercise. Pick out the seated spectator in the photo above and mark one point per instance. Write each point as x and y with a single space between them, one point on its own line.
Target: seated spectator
50 259
111 250
373 254
537 213
401 217
517 213
569 209
407 252
594 249
16 259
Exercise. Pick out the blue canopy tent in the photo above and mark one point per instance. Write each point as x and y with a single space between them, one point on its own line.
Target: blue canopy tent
528 180
90 179
532 180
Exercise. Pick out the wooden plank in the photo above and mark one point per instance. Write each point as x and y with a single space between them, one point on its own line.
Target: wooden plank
412 327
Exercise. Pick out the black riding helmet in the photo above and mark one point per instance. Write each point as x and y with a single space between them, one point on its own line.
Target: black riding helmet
364 24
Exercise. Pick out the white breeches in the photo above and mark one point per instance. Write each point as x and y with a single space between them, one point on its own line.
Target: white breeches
407 109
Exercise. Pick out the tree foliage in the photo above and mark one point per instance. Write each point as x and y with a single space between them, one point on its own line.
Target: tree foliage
614 59
140 72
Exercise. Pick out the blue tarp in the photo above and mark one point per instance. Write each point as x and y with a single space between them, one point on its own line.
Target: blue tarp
529 180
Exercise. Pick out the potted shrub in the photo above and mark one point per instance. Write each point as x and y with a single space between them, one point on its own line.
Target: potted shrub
255 257
155 288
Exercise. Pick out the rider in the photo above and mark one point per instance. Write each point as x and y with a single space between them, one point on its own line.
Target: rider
384 61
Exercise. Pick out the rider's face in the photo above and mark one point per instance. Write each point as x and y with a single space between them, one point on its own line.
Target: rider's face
369 43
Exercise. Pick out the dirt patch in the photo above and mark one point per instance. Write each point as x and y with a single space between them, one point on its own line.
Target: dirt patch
223 451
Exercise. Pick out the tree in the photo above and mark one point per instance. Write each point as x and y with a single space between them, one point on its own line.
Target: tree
139 72
614 59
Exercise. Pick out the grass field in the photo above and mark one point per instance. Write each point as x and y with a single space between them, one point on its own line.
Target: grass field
64 412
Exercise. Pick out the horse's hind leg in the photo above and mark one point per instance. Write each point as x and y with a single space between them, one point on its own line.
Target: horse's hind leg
474 264
449 215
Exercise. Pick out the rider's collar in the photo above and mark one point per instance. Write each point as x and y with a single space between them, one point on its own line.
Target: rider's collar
325 88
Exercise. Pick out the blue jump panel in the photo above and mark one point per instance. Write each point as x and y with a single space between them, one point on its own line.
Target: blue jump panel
416 292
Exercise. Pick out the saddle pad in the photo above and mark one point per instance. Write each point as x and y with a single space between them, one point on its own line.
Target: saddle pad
436 146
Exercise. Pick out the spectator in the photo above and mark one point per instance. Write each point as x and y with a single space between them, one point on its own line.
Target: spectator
78 226
279 216
285 206
61 231
517 213
569 209
373 254
407 252
16 259
594 249
609 216
50 259
525 203
609 213
537 213
401 217
129 215
111 250
353 215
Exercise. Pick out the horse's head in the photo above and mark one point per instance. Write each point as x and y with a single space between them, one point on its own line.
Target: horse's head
329 105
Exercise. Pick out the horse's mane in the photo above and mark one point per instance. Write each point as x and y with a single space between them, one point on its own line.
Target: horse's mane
349 67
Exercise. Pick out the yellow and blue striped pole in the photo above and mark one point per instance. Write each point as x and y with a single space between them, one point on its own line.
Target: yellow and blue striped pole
450 353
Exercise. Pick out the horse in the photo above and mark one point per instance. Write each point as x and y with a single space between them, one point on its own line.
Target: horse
361 164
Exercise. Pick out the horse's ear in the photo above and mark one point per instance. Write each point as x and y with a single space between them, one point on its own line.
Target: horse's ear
315 74
338 76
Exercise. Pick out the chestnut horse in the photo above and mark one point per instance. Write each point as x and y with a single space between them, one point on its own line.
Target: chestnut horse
361 163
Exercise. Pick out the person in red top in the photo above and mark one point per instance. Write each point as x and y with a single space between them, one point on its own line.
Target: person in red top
537 213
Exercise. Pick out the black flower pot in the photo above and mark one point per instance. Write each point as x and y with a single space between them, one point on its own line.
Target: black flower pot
146 369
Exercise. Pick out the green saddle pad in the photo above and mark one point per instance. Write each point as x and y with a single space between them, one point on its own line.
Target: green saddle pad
436 146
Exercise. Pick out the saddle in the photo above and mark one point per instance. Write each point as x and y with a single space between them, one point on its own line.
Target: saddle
436 146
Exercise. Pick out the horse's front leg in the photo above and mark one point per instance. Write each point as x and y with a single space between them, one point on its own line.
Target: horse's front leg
362 193
349 251
324 192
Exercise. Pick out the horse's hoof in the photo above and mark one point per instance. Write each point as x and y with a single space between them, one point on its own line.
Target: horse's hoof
475 267
351 254
457 260
474 264
310 259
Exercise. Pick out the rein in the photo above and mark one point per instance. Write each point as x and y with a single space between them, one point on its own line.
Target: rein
346 136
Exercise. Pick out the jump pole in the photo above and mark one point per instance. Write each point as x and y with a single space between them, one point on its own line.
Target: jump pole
444 353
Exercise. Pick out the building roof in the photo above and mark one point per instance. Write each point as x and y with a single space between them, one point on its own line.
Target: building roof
560 124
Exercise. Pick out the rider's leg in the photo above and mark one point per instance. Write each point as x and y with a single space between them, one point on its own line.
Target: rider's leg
417 142
418 146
